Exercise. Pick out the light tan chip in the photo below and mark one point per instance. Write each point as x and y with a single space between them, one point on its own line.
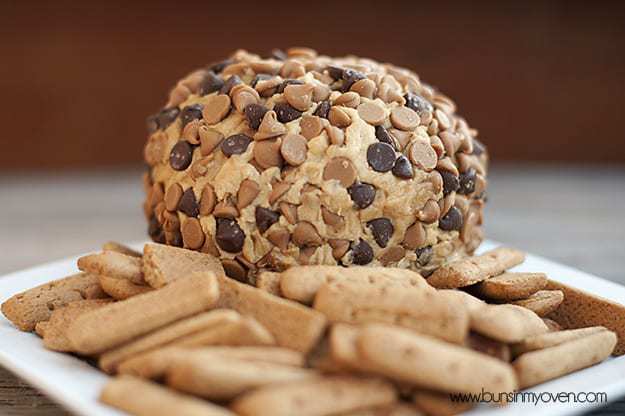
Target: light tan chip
269 282
511 286
439 404
120 322
551 339
536 367
163 264
301 283
316 397
409 357
414 308
167 335
581 309
543 302
121 289
114 264
293 325
217 377
472 270
120 248
507 323
35 305
143 398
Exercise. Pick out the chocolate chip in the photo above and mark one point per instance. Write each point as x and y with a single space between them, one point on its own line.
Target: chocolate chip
335 72
278 54
259 77
424 255
235 144
467 182
417 103
362 194
217 67
403 168
286 113
450 182
166 117
381 157
155 231
188 204
362 253
385 137
151 123
254 114
229 236
286 82
323 109
350 76
181 155
452 220
382 230
211 83
229 84
265 218
478 147
190 113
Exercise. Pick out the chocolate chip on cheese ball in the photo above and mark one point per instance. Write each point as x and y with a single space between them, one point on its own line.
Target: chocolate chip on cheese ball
300 158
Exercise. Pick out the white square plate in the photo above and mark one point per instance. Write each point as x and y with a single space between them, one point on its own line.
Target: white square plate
76 385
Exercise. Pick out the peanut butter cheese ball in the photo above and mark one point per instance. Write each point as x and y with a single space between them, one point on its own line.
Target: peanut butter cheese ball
300 158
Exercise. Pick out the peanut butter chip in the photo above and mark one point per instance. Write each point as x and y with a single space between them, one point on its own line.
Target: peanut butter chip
339 247
371 113
336 135
299 96
305 234
216 108
267 153
294 149
244 95
443 119
192 234
248 191
289 211
321 92
310 126
404 118
430 212
269 127
207 200
422 155
332 219
339 117
209 139
226 209
348 99
172 197
341 169
401 137
414 237
278 189
279 238
190 132
365 87
392 255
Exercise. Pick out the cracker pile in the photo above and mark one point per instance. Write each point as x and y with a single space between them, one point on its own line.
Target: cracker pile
182 338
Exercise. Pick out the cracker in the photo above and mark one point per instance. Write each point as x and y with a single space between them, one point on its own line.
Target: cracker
244 331
265 354
316 397
472 270
151 364
163 264
536 367
293 325
217 377
269 282
511 286
552 325
114 264
551 339
121 289
120 248
40 328
396 409
488 346
143 398
507 323
301 283
439 404
122 321
581 309
543 302
471 303
35 305
415 308
407 356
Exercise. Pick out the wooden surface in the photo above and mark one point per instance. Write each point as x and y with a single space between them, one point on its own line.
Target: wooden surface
571 215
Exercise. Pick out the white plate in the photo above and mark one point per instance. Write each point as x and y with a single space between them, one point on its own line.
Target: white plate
76 385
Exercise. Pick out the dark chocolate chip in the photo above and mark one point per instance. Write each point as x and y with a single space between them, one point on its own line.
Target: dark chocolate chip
181 155
265 218
229 84
278 54
259 77
166 117
381 157
323 109
211 83
417 103
235 144
452 220
335 72
362 253
188 204
151 123
286 82
382 230
403 168
362 194
229 236
467 182
350 76
190 113
286 113
155 231
450 182
424 255
217 67
478 147
254 114
385 137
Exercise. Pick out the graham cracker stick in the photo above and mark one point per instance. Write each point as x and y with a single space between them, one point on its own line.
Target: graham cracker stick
551 339
543 302
120 248
114 264
121 289
511 286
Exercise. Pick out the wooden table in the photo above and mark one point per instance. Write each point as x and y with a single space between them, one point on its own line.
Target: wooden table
571 215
